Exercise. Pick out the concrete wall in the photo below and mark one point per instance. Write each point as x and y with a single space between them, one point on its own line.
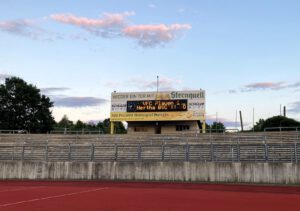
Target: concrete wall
283 173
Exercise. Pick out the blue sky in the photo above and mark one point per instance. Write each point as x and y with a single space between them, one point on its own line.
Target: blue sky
245 54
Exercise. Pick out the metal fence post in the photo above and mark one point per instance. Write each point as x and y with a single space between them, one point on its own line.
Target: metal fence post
295 152
162 152
139 152
23 151
212 152
232 157
70 152
13 152
238 155
266 153
187 152
116 152
46 152
92 152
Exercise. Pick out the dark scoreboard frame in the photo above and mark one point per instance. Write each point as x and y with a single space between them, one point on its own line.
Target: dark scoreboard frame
154 105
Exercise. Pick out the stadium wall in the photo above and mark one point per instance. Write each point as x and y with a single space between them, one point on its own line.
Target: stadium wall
275 173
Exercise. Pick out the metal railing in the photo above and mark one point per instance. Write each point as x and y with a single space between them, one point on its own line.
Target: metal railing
275 153
67 131
13 131
281 129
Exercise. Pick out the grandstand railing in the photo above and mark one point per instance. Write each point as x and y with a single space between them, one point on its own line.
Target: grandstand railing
13 131
245 152
67 131
281 129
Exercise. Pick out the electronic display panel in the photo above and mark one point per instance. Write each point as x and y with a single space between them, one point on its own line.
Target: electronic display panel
157 105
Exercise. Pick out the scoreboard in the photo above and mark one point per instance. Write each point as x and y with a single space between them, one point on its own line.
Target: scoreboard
156 105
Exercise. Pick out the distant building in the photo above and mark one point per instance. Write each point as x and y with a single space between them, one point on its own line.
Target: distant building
159 112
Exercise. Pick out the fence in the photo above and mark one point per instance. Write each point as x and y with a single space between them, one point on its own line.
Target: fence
270 129
13 131
288 152
83 131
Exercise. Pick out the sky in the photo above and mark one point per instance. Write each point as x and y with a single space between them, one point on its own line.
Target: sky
244 54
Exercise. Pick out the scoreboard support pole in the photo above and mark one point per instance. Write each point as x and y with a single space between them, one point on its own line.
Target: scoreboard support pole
112 128
203 126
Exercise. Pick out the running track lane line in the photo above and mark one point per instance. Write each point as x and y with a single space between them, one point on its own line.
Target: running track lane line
51 197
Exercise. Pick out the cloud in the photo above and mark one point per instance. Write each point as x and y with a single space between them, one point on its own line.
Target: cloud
261 86
50 90
116 25
152 6
265 85
68 101
30 29
108 26
23 27
294 85
295 107
153 35
4 76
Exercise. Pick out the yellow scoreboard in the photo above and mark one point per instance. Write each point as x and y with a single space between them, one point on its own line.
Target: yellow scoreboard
158 106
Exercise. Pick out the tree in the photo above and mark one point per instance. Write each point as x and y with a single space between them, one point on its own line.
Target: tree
217 127
259 125
22 106
65 122
276 121
79 125
105 127
119 127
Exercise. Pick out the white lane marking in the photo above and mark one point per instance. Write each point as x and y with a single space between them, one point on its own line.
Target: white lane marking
25 188
51 197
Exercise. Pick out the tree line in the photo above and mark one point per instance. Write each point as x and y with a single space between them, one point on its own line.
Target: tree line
101 126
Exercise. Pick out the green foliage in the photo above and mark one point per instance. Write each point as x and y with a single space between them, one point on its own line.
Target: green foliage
23 107
65 123
275 121
79 125
119 127
259 126
215 127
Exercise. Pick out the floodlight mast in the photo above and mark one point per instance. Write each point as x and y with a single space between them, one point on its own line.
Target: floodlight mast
157 83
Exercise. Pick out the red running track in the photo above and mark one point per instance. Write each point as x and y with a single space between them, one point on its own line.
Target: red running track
99 195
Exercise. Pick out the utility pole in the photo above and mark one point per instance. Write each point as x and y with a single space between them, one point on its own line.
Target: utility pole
280 109
253 120
241 119
157 82
236 119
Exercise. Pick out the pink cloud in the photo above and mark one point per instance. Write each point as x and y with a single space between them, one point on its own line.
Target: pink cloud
109 20
109 26
23 27
266 85
152 35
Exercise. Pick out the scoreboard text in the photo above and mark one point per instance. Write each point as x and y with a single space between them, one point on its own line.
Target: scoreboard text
156 105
